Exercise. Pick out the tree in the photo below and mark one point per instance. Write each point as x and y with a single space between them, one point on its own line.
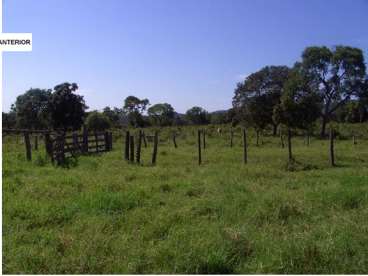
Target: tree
161 114
9 119
67 109
115 115
97 121
338 75
220 117
179 119
31 109
133 108
300 106
197 115
354 111
256 97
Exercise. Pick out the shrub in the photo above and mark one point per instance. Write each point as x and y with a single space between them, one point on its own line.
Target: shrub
97 121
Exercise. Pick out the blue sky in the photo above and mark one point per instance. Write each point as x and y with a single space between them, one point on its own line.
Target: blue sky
184 52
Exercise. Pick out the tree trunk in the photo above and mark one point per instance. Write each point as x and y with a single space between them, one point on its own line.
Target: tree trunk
199 148
127 145
332 153
155 145
289 146
245 153
274 130
323 127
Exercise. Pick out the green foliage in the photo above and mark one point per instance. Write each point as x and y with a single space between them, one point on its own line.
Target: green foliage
337 74
221 117
31 109
97 121
161 114
299 106
256 97
354 111
197 116
133 108
66 109
9 119
115 115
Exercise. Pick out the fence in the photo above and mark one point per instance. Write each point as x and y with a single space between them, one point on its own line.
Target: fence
59 146
64 146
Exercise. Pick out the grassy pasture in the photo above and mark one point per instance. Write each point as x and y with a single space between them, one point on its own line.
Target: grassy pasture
103 215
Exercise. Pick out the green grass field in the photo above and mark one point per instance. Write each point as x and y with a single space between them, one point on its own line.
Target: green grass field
103 215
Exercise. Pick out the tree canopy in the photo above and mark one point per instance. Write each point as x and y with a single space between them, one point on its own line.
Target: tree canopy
197 115
97 121
256 97
300 106
161 114
67 110
337 74
31 109
133 108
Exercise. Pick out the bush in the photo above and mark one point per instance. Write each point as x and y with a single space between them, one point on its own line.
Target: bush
97 121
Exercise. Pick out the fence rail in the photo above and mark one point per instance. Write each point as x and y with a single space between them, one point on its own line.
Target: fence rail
60 146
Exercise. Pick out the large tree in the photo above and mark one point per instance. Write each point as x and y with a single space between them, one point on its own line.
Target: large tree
116 115
338 74
9 119
161 114
256 97
354 111
97 121
66 108
300 105
133 108
197 115
31 109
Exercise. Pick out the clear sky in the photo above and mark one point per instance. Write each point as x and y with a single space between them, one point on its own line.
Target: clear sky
184 52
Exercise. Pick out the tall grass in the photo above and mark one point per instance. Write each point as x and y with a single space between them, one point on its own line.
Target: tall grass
105 215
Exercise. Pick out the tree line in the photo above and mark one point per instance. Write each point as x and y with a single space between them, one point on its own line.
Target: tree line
327 84
62 109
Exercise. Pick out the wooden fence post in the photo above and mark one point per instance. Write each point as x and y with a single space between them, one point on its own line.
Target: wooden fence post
85 139
308 138
354 140
204 138
174 140
139 145
144 139
110 140
155 144
245 153
75 141
47 143
131 139
96 142
127 144
28 146
282 138
199 148
36 142
60 153
49 146
332 153
107 141
289 146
